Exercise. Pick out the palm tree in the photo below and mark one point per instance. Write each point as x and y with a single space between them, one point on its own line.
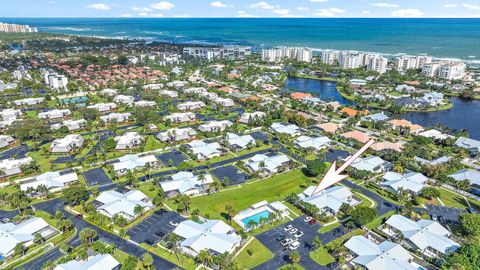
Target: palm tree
252 224
138 210
173 244
204 257
317 243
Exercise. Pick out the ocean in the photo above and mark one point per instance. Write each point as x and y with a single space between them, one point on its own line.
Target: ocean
440 38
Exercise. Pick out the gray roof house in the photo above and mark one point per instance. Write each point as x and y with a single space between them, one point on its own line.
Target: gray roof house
412 182
372 164
186 183
469 144
111 203
375 117
97 262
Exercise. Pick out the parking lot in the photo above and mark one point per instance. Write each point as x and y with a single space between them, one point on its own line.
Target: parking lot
449 214
154 228
96 177
234 174
258 135
176 156
335 155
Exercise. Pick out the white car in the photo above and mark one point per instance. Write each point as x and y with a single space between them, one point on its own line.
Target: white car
288 228
298 234
294 245
293 231
307 218
286 242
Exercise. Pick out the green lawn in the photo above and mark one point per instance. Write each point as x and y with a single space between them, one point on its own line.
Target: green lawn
272 189
259 254
329 227
379 220
291 267
321 256
152 143
452 199
180 260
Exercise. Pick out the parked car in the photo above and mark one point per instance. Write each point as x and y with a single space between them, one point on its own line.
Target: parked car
281 237
441 219
286 242
79 216
299 234
288 228
160 234
173 223
293 231
312 221
294 245
149 242
307 218
471 210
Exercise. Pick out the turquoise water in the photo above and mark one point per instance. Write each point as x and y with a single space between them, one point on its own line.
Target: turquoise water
256 217
437 37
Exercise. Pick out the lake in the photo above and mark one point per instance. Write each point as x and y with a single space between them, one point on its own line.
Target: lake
465 114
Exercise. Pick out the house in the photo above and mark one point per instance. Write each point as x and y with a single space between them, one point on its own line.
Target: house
54 114
191 105
109 92
215 126
10 114
470 175
202 150
128 141
431 99
28 101
434 162
214 236
153 86
225 102
124 99
177 134
386 255
412 182
6 141
54 181
180 117
247 117
100 261
195 90
428 236
111 203
168 93
133 162
386 145
329 200
299 95
208 95
329 127
402 125
238 143
186 183
372 164
67 144
283 128
115 117
351 112
267 164
12 234
356 135
70 124
177 84
11 166
315 143
473 146
145 103
103 107
378 117
435 134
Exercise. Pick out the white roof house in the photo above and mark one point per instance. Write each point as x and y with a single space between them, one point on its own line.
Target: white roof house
469 144
128 140
433 162
190 105
133 162
70 124
124 99
9 114
316 143
372 164
12 166
153 86
195 90
186 183
97 262
254 115
412 182
180 117
289 129
208 95
145 103
431 238
54 114
6 140
384 256
240 142
375 117
111 203
203 150
213 126
225 102
52 180
28 101
168 93
434 134
330 199
177 84
270 164
213 235
473 176
22 233
67 144
115 117
103 107
176 134
109 92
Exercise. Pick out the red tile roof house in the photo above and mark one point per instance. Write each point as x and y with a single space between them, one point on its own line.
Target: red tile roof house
356 135
300 95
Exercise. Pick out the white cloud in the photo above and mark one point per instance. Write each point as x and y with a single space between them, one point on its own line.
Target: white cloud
385 5
471 6
318 1
281 11
450 5
141 9
303 8
219 4
262 5
162 5
329 12
410 12
366 12
99 6
243 14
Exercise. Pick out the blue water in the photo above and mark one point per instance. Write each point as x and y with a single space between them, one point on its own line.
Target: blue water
438 37
256 217
323 89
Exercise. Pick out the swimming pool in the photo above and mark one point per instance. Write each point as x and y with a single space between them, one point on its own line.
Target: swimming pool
256 217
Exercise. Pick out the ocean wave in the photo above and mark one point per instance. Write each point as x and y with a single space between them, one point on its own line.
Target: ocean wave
62 28
158 33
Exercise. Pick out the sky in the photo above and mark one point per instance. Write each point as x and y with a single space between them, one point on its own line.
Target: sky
241 8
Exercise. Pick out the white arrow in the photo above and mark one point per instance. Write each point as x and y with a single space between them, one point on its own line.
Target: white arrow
334 176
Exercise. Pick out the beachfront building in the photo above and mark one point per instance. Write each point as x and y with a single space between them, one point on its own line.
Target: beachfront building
237 143
97 262
213 236
116 117
11 166
111 203
177 134
191 105
133 162
412 182
67 143
284 53
405 62
376 62
230 52
54 114
329 200
23 233
128 141
180 117
215 126
103 107
314 143
261 213
124 99
186 183
247 118
372 164
53 181
427 236
17 28
330 57
447 69
267 165
202 150
284 128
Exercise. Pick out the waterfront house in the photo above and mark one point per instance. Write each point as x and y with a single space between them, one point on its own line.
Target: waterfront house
473 146
377 117
128 141
404 125
299 95
111 203
435 134
67 144
470 175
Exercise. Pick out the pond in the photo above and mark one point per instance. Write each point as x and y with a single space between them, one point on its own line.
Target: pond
324 89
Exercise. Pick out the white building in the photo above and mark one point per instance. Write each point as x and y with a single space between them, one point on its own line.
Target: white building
267 164
97 262
70 124
6 140
10 114
177 134
329 200
226 52
186 183
448 70
203 150
412 182
56 81
116 117
180 117
238 143
405 62
124 99
109 92
28 101
111 203
280 54
133 162
54 181
225 102
316 143
54 114
67 144
330 57
377 63
288 129
12 166
128 140
215 126
245 119
371 164
103 107
190 105
168 93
